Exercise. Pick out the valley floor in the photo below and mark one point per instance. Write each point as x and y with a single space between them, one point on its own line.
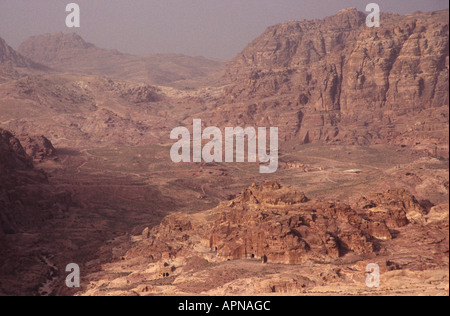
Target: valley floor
120 191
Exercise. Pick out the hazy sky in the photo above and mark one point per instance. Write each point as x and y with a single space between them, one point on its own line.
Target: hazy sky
211 28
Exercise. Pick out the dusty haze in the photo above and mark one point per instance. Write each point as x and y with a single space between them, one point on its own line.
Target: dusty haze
85 169
210 28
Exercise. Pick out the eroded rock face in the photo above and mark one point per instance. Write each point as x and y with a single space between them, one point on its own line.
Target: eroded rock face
38 147
10 56
28 205
396 207
289 237
13 156
272 239
137 93
26 199
271 194
335 80
276 224
12 159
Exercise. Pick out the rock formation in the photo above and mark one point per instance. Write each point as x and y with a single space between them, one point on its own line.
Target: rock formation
27 204
336 80
331 81
398 204
280 225
10 56
13 160
238 246
9 61
37 147
26 199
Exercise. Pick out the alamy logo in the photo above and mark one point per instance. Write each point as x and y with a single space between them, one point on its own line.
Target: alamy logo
213 150
73 279
73 19
373 277
373 19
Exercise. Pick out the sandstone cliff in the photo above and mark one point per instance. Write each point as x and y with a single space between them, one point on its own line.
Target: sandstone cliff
336 80
276 224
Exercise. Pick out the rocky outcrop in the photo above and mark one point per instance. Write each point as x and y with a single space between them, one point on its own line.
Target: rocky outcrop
29 206
26 199
396 207
272 239
438 213
272 194
336 80
276 224
12 159
37 147
135 93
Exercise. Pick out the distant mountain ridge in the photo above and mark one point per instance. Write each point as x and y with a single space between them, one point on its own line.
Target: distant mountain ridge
53 48
10 56
71 53
10 61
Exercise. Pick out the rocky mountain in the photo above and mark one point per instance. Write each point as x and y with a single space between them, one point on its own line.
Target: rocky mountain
10 56
323 81
70 53
9 60
336 80
56 48
271 238
332 85
14 65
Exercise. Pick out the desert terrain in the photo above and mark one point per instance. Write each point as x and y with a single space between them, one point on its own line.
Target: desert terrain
86 175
